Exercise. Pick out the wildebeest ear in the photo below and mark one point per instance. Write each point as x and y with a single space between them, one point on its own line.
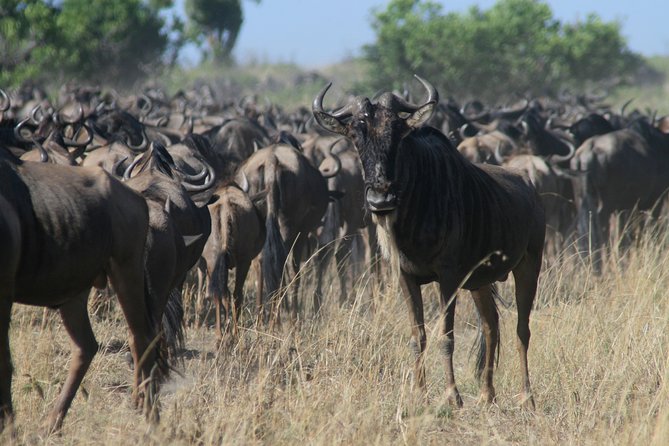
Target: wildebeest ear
420 116
329 122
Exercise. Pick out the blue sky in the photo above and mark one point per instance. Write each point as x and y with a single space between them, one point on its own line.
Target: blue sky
314 33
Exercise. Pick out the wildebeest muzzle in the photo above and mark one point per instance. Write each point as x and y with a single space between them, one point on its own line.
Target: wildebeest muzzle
380 200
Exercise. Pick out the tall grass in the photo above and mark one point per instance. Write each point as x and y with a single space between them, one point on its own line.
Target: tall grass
598 364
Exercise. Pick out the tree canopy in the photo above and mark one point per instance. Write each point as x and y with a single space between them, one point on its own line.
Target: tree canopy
112 42
516 46
216 21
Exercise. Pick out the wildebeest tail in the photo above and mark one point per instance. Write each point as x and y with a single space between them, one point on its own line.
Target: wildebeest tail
172 323
331 222
273 251
480 338
154 313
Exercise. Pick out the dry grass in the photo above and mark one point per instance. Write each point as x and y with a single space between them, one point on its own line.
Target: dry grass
598 361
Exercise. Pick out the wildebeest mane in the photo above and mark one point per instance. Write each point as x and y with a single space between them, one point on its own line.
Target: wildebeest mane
447 192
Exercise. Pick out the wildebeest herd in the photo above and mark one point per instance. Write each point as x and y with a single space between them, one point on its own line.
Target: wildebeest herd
138 190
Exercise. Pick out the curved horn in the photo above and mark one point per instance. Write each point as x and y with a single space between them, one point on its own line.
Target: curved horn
33 114
118 164
211 179
73 143
142 145
622 109
563 158
197 176
326 120
498 154
432 97
128 170
19 127
43 154
244 185
148 104
6 103
425 111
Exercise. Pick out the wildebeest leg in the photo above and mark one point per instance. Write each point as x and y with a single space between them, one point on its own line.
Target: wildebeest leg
485 304
222 296
6 410
414 300
344 266
525 276
323 261
260 308
240 277
447 302
128 282
199 294
297 278
600 237
46 315
74 314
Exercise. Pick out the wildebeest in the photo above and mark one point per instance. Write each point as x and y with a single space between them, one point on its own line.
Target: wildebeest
10 241
297 198
618 171
79 228
178 230
441 218
237 236
346 215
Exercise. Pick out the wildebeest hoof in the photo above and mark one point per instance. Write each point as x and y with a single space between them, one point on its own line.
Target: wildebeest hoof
487 397
526 401
453 397
128 360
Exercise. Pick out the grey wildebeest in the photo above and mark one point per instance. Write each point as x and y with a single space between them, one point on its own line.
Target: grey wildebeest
338 161
237 236
297 198
79 228
178 230
441 218
614 172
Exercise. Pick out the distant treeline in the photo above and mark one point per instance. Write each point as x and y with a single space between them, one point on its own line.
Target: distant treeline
516 46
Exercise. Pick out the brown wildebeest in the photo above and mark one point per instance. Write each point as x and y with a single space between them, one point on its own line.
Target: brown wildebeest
79 227
556 196
237 237
338 161
297 197
178 230
10 253
441 218
618 172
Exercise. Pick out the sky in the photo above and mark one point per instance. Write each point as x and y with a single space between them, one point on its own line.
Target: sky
314 33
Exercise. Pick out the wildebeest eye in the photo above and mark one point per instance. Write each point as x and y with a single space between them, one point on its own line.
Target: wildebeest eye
362 125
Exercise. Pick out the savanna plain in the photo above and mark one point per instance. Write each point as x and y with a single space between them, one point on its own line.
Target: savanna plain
598 364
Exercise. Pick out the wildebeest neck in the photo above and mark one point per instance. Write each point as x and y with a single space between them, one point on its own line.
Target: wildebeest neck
453 203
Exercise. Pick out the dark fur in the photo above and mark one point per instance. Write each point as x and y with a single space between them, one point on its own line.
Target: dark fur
79 227
445 219
618 171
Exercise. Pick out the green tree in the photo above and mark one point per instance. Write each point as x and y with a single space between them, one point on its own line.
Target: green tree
104 41
218 22
27 39
516 46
